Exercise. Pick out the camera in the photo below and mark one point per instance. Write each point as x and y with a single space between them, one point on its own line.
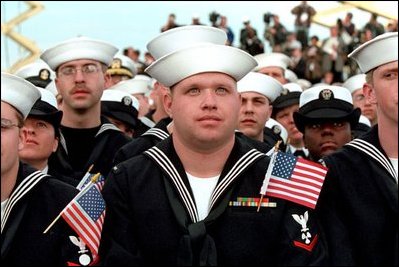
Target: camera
267 17
213 17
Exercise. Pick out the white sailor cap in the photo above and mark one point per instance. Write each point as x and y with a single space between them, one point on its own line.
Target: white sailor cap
38 73
205 57
48 97
355 82
79 48
322 103
120 96
52 88
277 128
260 83
304 84
272 60
19 93
185 36
137 85
122 65
376 52
46 108
121 106
290 76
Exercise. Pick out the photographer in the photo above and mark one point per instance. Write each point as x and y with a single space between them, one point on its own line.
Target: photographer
303 19
213 18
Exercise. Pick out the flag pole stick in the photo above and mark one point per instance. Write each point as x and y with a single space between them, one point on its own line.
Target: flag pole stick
93 180
55 220
267 175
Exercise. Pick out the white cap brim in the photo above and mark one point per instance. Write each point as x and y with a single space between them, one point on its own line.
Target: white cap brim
174 67
376 52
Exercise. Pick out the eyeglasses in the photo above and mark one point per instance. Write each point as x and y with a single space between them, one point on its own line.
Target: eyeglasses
86 70
7 124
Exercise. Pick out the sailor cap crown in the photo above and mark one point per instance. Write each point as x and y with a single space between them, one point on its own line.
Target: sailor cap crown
272 60
355 82
133 86
19 93
260 83
185 36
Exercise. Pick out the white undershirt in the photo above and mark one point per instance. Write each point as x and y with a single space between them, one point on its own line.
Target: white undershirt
395 166
202 189
45 170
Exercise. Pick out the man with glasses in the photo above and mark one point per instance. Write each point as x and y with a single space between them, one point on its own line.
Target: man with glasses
87 138
30 199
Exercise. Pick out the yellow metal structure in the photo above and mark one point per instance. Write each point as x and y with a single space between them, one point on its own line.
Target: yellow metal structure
7 29
328 17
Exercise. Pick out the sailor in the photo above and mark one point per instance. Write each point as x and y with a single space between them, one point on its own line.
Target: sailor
87 138
30 199
165 207
359 200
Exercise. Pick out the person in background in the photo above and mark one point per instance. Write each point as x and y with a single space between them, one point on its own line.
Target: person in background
326 118
122 68
257 92
274 132
224 26
157 95
283 111
362 127
30 199
355 85
303 20
189 215
139 87
246 31
375 27
89 139
38 73
121 109
274 65
171 23
359 200
41 132
195 19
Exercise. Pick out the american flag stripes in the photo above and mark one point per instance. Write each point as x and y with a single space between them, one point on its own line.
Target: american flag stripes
86 213
296 179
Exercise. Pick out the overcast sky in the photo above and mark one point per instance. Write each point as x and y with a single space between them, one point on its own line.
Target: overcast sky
136 23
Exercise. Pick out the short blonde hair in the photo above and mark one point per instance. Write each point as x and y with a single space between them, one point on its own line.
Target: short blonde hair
369 77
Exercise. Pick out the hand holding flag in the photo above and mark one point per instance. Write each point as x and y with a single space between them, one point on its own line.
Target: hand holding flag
86 213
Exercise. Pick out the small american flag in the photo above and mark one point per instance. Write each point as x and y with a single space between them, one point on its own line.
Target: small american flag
296 179
85 214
